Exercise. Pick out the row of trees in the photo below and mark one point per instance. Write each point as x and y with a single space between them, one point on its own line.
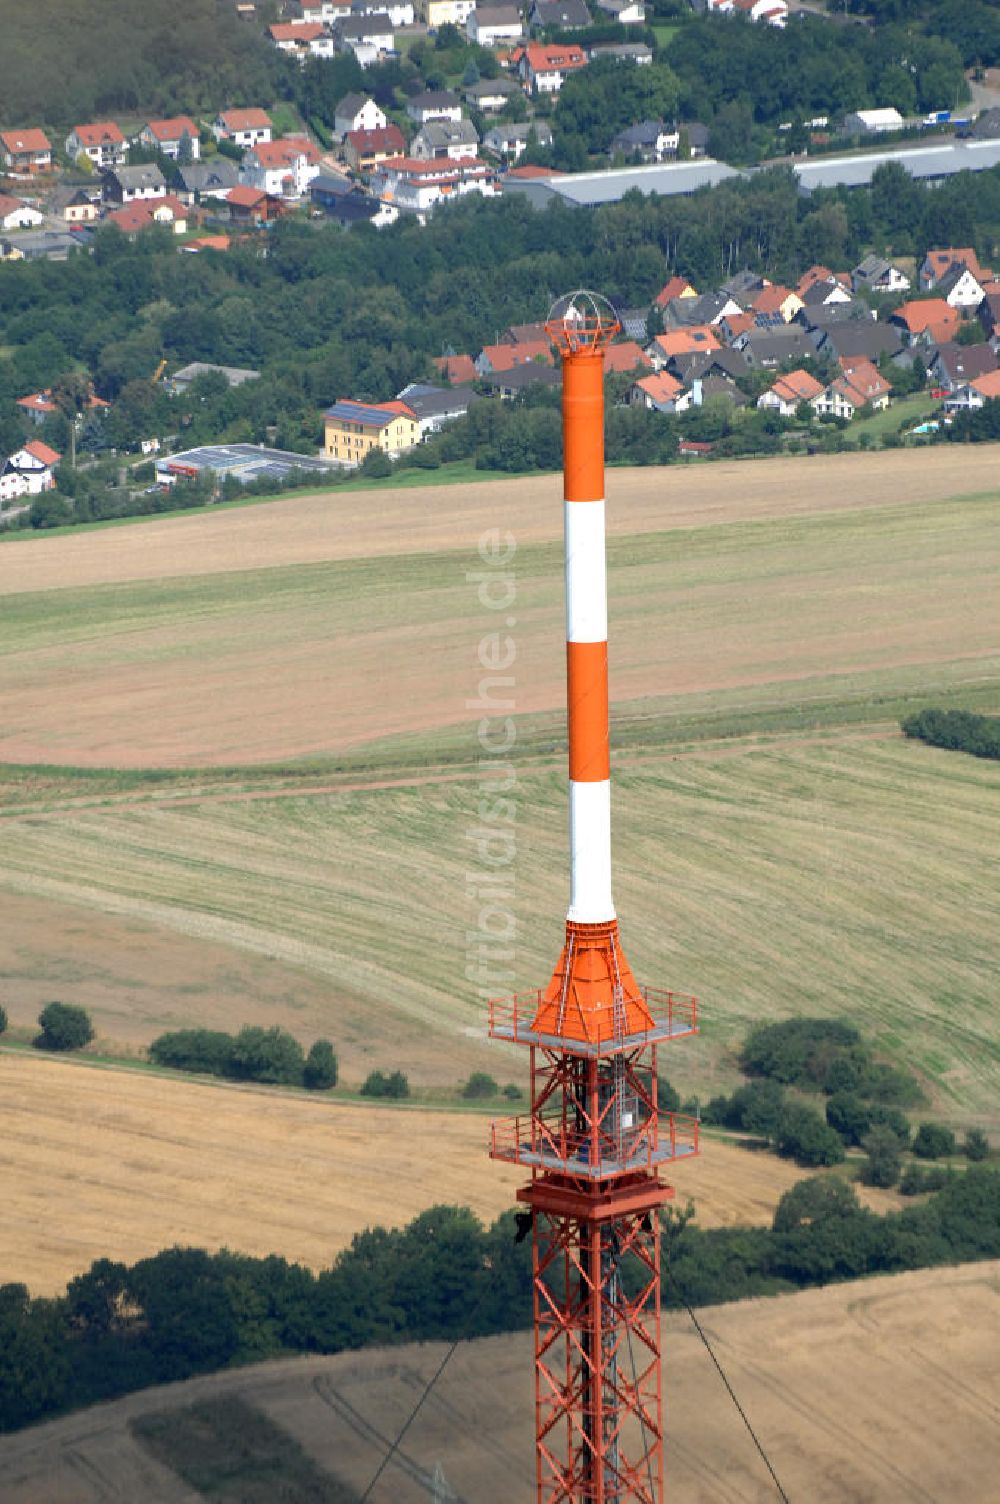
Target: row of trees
184 1311
254 1054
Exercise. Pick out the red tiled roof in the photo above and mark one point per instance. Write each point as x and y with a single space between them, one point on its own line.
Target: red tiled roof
738 323
281 153
532 170
771 298
398 407
941 260
675 288
932 313
43 452
987 386
9 204
38 402
144 212
99 134
173 130
624 356
245 120
553 59
383 138
681 341
209 243
245 196
30 140
506 357
661 386
456 368
297 31
797 386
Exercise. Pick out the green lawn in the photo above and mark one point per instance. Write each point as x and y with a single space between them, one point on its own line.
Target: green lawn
665 32
911 409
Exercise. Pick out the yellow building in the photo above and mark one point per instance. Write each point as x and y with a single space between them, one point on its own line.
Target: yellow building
353 429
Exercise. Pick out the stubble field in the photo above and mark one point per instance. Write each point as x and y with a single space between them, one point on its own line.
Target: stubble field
880 1393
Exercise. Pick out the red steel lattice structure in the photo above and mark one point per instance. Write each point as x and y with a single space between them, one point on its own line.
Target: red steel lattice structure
595 1137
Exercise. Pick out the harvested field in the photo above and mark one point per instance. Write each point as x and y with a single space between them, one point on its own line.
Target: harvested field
881 1392
368 524
847 875
121 1164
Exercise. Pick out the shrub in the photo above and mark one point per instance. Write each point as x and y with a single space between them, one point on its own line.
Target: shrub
512 1093
479 1085
885 1158
976 1146
204 1051
883 1116
668 1099
64 1027
848 1116
797 1051
3 1018
919 1178
320 1070
933 1142
957 730
270 1055
395 1086
802 1135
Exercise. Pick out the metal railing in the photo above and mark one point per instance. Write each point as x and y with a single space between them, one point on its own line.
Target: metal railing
551 1143
673 1013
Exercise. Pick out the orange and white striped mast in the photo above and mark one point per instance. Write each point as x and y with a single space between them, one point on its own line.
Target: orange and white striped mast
595 1137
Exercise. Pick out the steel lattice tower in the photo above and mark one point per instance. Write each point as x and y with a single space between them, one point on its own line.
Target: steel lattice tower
595 1136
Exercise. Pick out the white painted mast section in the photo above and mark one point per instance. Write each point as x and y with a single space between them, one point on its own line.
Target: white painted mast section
589 803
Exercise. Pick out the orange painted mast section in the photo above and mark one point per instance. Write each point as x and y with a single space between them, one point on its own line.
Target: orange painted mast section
595 1136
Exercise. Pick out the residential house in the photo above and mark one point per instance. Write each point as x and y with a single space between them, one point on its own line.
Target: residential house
252 206
400 12
434 406
363 150
694 449
344 202
846 310
434 104
623 52
560 15
490 95
323 11
989 314
174 138
707 308
953 365
102 142
39 405
524 334
677 342
443 140
195 182
625 12
28 151
867 380
676 287
974 394
710 388
368 37
358 112
732 325
696 135
544 70
125 185
824 293
302 39
438 13
872 122
76 206
15 214
857 337
775 305
879 275
819 273
143 213
936 264
788 391
44 245
744 286
494 25
511 141
205 243
503 357
659 391
507 385
457 370
282 168
767 348
687 364
959 288
634 323
770 12
407 185
28 471
354 429
244 128
930 321
650 140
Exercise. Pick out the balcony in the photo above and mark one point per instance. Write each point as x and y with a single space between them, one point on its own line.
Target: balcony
599 1154
675 1014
